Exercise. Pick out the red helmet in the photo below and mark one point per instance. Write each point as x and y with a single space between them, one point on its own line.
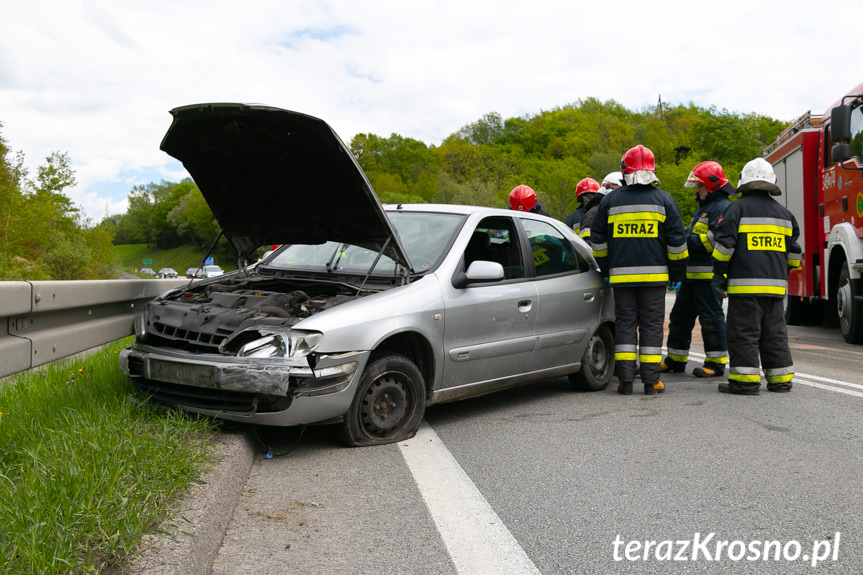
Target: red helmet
586 185
708 173
522 198
637 158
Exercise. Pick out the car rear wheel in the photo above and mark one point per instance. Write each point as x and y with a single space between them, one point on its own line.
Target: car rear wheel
389 403
597 363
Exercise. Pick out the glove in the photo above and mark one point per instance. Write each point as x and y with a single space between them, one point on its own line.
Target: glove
606 283
719 283
673 286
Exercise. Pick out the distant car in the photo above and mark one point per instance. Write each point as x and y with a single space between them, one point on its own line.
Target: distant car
194 273
212 271
147 271
366 314
167 273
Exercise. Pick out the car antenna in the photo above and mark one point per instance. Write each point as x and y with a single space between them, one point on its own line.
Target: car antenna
209 251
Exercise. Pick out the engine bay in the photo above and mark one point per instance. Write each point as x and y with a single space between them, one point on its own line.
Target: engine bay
200 317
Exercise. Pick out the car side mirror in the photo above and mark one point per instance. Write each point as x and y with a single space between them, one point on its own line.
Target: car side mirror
479 271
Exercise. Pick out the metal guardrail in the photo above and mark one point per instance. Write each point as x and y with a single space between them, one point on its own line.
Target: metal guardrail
49 320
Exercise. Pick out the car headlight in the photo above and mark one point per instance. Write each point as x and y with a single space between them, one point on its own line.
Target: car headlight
264 342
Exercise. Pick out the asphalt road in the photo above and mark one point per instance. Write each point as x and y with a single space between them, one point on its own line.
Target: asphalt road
543 479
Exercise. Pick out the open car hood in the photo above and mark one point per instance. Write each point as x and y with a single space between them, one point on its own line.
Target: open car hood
273 176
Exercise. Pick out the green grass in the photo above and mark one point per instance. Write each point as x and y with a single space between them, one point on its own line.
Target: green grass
131 257
84 472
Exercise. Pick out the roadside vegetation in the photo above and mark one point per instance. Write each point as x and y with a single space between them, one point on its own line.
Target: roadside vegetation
44 236
130 258
84 471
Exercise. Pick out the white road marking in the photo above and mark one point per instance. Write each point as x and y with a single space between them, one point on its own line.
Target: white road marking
477 540
836 385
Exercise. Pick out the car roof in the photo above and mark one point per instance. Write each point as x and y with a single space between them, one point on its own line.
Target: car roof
273 176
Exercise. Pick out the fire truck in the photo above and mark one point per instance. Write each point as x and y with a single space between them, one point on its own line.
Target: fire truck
818 162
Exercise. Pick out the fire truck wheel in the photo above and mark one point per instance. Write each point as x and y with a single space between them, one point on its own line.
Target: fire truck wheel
849 308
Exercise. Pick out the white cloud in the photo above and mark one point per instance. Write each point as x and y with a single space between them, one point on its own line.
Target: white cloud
96 78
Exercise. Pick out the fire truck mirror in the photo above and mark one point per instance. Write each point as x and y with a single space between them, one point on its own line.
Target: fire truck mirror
841 153
840 125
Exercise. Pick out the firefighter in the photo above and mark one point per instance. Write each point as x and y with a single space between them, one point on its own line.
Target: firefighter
591 205
639 243
695 297
612 181
523 199
585 190
756 246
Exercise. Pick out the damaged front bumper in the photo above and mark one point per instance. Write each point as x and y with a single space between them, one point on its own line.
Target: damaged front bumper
279 392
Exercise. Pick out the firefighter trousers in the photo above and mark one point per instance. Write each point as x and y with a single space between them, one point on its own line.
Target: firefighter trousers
756 326
697 300
639 318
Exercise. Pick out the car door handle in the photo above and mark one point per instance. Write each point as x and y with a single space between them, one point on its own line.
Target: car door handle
588 296
525 305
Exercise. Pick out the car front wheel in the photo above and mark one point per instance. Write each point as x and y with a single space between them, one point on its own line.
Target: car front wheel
389 403
597 363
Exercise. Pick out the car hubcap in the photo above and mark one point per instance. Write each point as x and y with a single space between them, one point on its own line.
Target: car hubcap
598 355
384 406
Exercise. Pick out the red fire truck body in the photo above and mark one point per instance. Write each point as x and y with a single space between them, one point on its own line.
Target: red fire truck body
826 197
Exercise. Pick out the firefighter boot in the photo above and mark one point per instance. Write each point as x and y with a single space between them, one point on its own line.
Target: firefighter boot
739 389
707 372
654 388
779 387
669 365
624 388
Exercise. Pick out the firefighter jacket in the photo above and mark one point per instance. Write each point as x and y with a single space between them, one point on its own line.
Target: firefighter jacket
638 238
584 226
756 245
699 237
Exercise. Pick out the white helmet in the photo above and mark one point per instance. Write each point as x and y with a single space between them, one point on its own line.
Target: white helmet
613 179
758 175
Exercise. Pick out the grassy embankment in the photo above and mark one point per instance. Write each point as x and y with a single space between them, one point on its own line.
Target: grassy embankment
84 472
131 257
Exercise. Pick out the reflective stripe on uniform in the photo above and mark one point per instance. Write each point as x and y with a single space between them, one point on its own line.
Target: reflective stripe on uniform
599 250
638 274
757 286
677 252
639 211
722 254
649 354
719 357
764 226
779 374
744 374
625 352
680 355
699 272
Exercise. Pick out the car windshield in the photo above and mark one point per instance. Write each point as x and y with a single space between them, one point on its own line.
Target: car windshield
424 236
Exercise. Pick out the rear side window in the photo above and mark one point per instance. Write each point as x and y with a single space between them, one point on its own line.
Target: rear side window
552 252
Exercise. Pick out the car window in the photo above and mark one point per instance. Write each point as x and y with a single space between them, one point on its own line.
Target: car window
424 235
552 252
495 240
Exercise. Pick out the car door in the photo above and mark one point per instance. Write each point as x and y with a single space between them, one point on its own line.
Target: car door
489 326
568 307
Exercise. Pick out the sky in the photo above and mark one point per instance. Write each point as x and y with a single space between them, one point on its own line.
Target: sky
96 79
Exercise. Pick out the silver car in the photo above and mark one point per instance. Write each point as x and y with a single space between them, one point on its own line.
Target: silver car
366 314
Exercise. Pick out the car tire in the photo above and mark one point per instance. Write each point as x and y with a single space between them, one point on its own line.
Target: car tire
849 308
597 363
389 403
